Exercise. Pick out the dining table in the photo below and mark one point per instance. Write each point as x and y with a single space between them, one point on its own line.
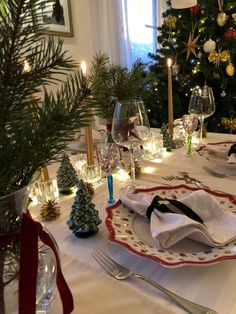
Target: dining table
211 284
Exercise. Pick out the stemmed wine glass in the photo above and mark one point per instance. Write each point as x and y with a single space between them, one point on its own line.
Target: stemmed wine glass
202 104
130 127
190 122
108 156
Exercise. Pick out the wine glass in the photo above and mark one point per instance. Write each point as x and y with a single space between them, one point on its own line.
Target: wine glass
202 104
190 122
108 156
130 127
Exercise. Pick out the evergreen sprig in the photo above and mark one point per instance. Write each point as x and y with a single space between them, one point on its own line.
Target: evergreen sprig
34 130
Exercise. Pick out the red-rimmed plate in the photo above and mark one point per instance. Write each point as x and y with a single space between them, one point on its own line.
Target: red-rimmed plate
131 230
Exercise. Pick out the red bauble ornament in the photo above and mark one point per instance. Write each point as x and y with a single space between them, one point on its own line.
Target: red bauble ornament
230 34
194 11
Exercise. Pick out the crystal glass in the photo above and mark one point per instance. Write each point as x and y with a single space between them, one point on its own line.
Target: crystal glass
153 147
190 122
202 104
109 158
130 127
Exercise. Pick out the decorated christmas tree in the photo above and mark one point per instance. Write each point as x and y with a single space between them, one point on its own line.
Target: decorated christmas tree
201 41
66 176
84 217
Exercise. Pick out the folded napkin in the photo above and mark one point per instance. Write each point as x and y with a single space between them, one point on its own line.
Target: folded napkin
168 228
223 151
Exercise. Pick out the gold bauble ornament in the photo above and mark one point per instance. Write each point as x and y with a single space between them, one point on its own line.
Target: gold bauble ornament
234 17
222 18
170 21
230 69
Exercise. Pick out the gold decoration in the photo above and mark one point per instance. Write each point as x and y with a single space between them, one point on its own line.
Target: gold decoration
191 45
234 17
50 211
222 18
229 124
170 21
230 69
217 57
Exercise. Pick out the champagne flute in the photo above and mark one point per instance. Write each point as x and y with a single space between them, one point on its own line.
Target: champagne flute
190 122
130 127
202 104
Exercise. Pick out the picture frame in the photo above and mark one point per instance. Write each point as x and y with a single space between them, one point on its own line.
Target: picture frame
57 18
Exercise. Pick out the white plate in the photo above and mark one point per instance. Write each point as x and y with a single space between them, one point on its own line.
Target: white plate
219 161
131 230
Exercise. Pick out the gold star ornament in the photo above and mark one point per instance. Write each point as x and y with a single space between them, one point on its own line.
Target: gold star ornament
191 45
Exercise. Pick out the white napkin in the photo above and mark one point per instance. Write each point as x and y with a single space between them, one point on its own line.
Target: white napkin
222 152
168 228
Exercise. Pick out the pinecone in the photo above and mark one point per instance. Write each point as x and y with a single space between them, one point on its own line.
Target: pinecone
138 170
90 188
50 211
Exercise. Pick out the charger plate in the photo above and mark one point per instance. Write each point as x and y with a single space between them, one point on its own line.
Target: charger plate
131 230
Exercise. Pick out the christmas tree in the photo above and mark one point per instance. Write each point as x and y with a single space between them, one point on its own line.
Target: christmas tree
66 176
84 217
201 41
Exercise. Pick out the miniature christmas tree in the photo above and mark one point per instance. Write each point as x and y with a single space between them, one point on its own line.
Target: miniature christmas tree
84 217
50 211
90 188
167 141
66 176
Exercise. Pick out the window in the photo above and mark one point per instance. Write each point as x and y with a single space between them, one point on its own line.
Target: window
142 21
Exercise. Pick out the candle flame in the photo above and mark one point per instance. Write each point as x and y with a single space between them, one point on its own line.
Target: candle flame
83 66
169 62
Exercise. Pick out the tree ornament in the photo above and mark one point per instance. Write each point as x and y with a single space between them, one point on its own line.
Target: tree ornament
230 34
234 17
66 176
194 11
209 46
84 218
175 69
170 21
230 69
216 57
191 45
183 4
222 18
50 211
229 124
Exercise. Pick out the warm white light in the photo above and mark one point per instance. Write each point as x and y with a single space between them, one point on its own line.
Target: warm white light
149 169
169 62
83 67
27 67
122 175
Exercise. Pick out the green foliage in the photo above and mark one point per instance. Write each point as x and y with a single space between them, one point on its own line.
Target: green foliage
197 69
66 176
34 131
118 83
84 217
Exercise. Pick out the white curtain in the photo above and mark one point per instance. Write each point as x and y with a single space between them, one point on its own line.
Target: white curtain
110 31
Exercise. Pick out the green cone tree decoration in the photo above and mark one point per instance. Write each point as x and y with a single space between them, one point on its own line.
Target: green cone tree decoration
66 176
167 141
84 217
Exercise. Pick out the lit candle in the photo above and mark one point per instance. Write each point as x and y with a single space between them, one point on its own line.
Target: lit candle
83 66
88 129
170 98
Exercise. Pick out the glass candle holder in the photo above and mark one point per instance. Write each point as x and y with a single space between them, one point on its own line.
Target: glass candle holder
43 191
153 147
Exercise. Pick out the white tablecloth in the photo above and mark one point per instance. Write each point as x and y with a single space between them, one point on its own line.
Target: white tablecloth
95 292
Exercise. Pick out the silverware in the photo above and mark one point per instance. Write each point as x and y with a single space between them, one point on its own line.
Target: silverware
120 272
214 173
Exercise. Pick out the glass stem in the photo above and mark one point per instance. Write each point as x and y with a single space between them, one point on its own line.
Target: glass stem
201 119
189 152
132 167
111 200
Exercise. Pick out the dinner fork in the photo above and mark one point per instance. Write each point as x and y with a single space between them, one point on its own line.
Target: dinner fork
120 272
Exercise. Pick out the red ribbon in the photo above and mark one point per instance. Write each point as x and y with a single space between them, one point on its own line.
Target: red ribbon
28 234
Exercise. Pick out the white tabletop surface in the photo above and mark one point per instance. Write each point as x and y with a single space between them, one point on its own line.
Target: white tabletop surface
95 292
